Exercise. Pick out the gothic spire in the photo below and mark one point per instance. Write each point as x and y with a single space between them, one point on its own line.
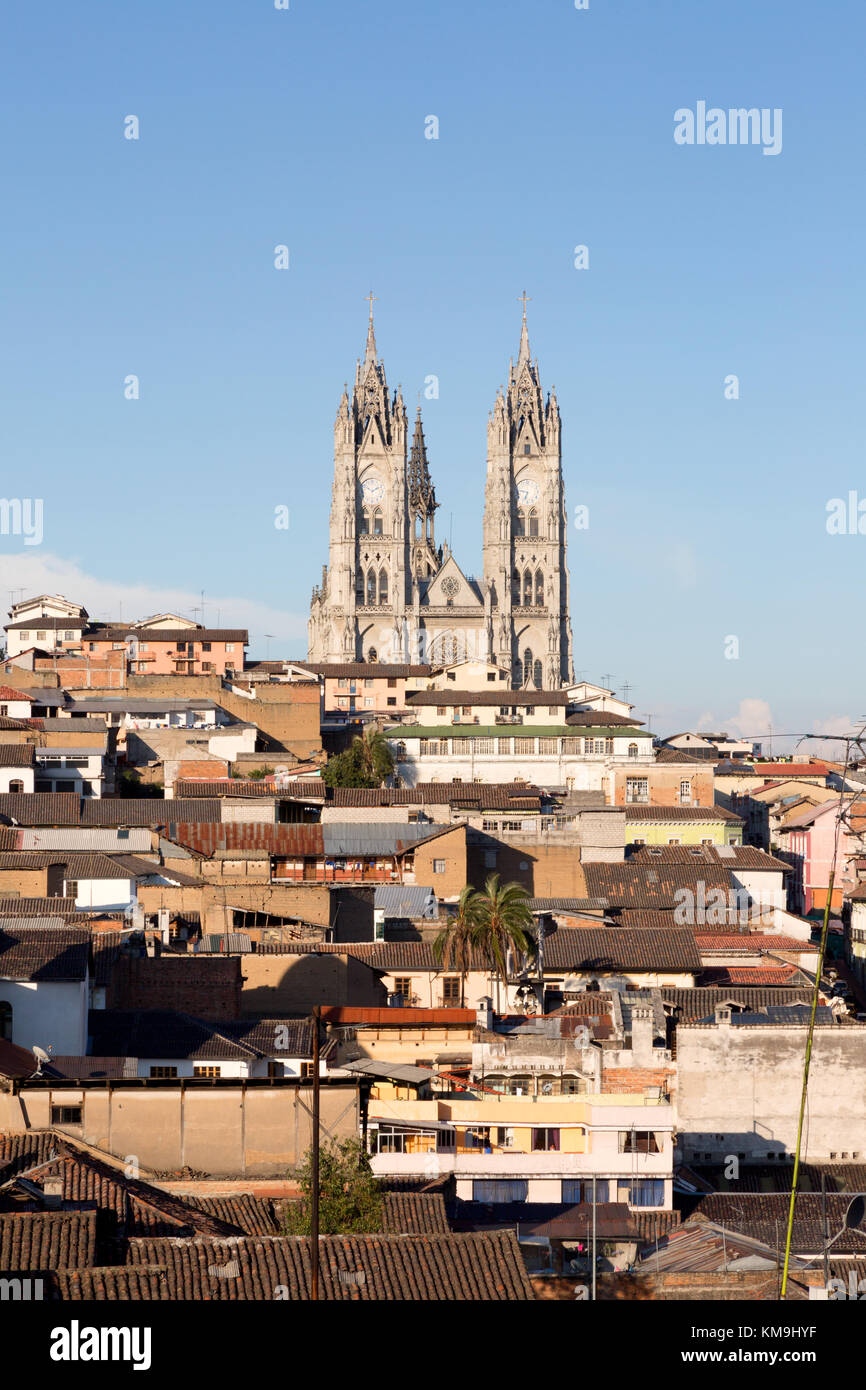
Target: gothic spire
370 350
523 354
420 486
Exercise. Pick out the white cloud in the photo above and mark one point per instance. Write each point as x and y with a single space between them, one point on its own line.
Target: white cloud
112 599
753 719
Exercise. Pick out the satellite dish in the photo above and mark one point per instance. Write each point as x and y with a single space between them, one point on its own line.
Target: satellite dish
41 1057
855 1213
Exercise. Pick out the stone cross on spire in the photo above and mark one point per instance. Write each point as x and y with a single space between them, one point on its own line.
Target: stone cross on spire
370 351
523 354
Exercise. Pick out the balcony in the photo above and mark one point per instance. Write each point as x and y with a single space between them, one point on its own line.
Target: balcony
514 1163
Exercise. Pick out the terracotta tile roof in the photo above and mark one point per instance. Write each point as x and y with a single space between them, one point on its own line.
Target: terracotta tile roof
16 755
724 856
30 953
618 949
251 1216
498 695
645 918
680 813
677 755
414 1214
759 975
38 907
771 770
382 955
763 1215
164 1034
76 866
41 808
154 635
478 1267
47 1240
755 943
231 786
146 810
693 1004
7 693
489 796
632 884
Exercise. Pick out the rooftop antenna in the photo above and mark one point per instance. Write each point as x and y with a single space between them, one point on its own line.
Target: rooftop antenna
626 688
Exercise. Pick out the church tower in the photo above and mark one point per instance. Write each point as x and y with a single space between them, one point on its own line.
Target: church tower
359 611
525 530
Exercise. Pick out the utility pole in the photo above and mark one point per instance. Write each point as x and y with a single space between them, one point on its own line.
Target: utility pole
594 1258
314 1202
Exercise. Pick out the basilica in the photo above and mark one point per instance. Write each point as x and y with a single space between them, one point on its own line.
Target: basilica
390 594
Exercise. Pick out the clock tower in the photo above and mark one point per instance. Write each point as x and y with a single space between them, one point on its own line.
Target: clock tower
358 613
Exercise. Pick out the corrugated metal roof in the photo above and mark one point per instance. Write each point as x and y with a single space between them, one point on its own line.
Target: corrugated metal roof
405 900
374 837
80 841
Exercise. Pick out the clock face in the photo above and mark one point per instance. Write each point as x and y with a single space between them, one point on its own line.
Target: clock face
528 492
372 490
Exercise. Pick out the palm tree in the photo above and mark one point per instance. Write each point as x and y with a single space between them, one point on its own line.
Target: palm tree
453 946
502 923
375 754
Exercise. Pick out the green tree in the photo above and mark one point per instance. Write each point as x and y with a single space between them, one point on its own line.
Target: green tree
366 763
454 944
350 1199
502 921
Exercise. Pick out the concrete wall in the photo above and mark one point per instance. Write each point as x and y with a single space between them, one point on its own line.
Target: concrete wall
225 1130
282 984
450 848
48 1012
744 1083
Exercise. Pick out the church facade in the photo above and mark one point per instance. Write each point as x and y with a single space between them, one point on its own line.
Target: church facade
390 594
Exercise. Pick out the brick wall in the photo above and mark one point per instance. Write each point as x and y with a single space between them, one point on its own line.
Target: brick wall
551 871
450 847
205 986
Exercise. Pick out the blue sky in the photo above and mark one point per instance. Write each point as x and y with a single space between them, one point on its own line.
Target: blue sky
305 127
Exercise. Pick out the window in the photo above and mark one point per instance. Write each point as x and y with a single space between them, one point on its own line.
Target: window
685 791
342 683
539 589
636 789
163 1073
306 1071
500 1190
377 523
403 987
206 666
438 866
368 682
69 636
205 646
71 888
451 991
547 745
638 1141
392 700
527 588
638 842
16 785
230 646
66 1114
573 1086
571 1189
533 522
632 750
441 709
383 587
180 646
708 841
371 589
206 1071
645 1192
527 665
537 674
40 636
392 683
545 1140
674 840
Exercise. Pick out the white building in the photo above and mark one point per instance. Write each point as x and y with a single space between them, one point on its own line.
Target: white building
44 975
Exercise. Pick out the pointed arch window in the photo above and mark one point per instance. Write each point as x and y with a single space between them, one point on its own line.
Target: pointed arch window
515 587
527 665
377 522
533 522
520 524
365 523
527 588
383 586
371 588
537 674
539 589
